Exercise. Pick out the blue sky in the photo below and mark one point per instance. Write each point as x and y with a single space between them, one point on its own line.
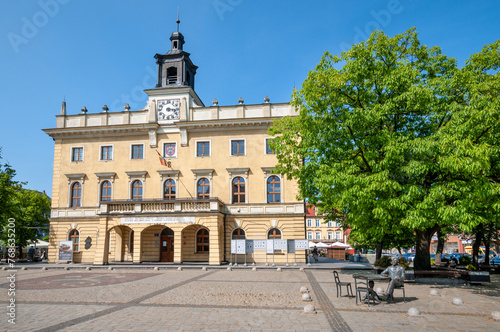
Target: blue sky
101 52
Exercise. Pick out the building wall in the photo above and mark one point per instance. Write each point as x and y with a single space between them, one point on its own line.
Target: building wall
110 236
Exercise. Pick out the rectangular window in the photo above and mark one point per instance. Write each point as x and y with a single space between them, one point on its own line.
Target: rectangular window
237 147
338 235
337 223
329 224
268 148
203 149
106 153
318 223
309 222
318 235
309 235
77 154
330 235
137 151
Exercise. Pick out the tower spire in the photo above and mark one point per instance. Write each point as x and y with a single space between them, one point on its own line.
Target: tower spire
178 21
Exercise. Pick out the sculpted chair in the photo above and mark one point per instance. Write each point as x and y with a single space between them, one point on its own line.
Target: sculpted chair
339 285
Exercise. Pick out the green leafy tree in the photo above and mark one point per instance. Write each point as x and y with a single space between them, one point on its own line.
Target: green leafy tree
472 139
31 214
29 208
8 188
376 139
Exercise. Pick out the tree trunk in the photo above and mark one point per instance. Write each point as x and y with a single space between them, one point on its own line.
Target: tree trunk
475 246
487 251
422 258
439 248
378 252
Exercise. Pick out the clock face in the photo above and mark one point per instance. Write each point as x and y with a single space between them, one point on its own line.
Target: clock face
168 109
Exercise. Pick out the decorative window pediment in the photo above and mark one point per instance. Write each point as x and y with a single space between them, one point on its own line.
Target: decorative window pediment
76 177
166 174
105 176
199 173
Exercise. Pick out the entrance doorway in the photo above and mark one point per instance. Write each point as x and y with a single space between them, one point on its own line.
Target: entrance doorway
167 245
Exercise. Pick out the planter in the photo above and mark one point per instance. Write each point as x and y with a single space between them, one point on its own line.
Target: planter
477 277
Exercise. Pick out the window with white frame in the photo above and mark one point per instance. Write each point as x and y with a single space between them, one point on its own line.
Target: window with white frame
137 151
309 235
329 224
318 223
203 149
309 222
318 236
338 235
269 150
337 223
74 236
77 153
237 147
329 235
106 152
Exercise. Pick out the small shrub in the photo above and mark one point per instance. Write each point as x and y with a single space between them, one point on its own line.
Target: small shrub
404 263
465 260
471 267
386 261
383 261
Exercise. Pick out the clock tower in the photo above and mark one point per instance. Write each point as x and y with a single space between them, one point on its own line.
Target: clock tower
173 95
175 69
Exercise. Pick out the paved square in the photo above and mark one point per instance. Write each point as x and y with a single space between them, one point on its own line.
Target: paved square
239 300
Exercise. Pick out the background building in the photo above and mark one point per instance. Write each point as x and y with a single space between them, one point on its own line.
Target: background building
317 230
172 182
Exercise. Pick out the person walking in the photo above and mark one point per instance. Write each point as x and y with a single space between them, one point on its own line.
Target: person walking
315 254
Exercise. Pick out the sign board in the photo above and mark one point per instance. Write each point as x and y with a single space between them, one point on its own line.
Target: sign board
233 246
290 246
157 220
259 244
249 246
301 244
280 244
66 251
240 246
270 246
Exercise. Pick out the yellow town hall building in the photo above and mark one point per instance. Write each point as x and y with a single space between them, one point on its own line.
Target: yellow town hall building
118 200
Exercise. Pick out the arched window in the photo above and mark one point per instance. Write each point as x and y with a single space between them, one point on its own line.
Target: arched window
238 190
137 190
202 240
106 191
172 75
238 234
273 189
275 234
74 236
169 190
203 188
76 194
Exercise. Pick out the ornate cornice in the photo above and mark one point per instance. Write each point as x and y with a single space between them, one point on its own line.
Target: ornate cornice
118 130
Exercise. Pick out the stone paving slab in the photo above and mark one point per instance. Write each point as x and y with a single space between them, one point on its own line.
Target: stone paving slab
204 319
238 300
31 317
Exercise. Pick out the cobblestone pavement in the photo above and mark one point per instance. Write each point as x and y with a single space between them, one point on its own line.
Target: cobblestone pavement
131 299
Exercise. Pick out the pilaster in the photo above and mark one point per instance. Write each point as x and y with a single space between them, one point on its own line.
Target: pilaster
101 252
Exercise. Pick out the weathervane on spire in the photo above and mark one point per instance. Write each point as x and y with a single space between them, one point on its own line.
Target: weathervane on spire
178 19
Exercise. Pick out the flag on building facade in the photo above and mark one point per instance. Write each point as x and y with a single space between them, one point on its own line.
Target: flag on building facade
163 161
